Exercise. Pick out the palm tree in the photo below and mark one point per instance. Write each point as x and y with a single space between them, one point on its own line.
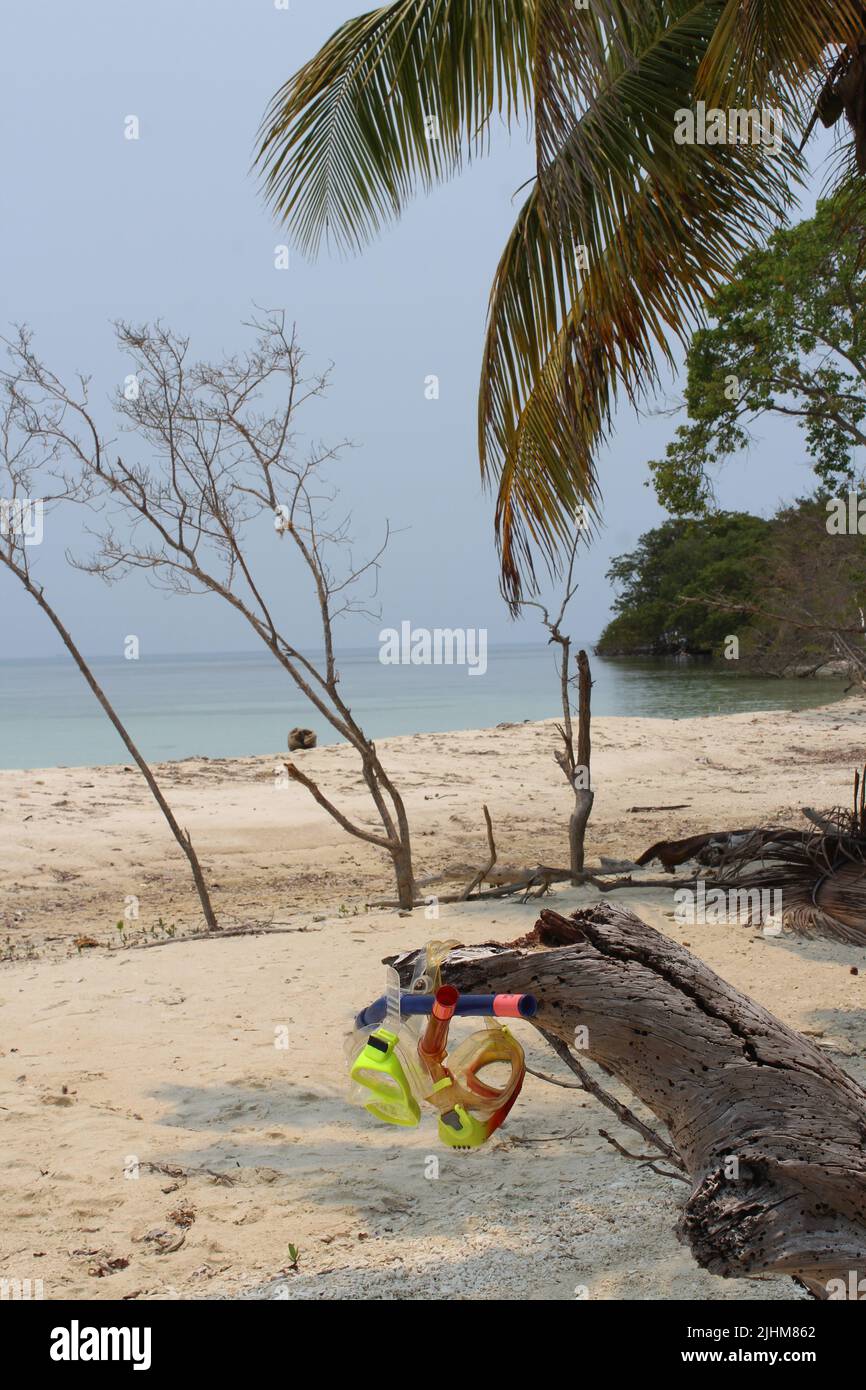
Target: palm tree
624 232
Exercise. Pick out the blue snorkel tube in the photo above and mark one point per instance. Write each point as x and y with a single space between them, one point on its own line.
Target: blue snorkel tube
468 1005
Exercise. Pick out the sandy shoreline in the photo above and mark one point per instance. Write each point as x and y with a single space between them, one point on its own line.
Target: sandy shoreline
77 843
130 1062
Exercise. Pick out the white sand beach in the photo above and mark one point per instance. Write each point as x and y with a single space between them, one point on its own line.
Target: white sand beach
157 1143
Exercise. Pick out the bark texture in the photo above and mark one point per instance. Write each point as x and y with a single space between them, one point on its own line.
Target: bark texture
728 1079
583 796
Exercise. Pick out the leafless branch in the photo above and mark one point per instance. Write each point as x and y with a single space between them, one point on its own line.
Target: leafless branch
222 459
491 858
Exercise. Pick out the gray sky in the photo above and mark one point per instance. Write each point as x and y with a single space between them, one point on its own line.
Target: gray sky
97 227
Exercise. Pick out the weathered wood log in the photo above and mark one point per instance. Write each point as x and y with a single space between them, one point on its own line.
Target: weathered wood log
772 1133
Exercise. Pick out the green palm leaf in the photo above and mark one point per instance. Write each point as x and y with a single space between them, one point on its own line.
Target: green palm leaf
346 142
762 46
347 139
662 225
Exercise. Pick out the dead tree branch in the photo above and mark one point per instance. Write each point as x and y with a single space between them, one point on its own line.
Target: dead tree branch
20 473
491 857
221 440
575 765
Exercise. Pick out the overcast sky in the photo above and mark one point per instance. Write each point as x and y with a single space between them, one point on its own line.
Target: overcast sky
97 227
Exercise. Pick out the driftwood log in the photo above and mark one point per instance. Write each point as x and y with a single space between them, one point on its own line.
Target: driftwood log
771 1132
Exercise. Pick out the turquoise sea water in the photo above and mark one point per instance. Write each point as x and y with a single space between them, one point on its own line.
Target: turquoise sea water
234 704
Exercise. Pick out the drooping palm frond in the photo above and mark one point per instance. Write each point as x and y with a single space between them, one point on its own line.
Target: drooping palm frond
660 227
395 99
762 47
347 140
574 51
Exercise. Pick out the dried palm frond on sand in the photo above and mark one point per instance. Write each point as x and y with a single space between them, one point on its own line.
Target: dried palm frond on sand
821 873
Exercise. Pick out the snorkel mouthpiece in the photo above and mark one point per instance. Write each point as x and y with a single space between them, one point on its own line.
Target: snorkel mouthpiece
459 1129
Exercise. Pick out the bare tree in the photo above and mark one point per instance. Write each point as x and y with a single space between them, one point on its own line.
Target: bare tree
220 436
18 424
786 645
574 762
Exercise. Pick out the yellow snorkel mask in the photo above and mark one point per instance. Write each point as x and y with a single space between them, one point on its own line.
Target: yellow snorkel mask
400 1066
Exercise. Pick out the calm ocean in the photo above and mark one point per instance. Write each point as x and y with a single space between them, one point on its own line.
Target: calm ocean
234 704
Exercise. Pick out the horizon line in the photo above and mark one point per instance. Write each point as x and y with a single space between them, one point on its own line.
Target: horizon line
251 651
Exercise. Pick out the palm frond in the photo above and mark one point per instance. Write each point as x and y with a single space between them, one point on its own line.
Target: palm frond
347 141
575 49
762 47
662 225
396 99
820 874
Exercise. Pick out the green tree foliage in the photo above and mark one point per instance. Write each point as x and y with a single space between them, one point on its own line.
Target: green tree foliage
788 338
809 596
681 560
789 589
